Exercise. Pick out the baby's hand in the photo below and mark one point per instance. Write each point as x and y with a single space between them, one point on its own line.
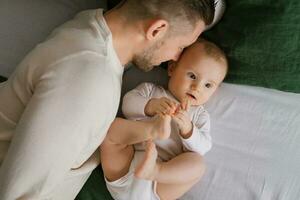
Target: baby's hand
162 105
185 105
183 121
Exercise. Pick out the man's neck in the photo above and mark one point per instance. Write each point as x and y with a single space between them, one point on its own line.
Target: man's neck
122 35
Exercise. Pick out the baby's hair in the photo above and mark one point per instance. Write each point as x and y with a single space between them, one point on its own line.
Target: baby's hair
214 51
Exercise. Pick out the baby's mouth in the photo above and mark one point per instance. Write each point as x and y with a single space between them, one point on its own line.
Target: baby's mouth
191 96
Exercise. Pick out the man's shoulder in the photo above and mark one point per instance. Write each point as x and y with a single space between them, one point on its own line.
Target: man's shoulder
69 47
78 46
82 34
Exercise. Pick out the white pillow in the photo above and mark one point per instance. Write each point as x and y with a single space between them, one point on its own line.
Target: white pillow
26 23
219 11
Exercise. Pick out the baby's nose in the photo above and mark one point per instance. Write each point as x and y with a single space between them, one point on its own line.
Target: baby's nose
196 88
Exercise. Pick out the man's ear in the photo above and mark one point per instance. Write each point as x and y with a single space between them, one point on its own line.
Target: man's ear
171 67
157 29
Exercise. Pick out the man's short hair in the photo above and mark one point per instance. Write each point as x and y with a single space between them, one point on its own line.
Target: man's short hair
182 15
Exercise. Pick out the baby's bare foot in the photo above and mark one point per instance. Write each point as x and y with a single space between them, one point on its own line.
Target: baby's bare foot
148 168
161 127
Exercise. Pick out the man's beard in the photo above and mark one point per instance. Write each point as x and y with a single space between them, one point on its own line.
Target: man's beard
146 59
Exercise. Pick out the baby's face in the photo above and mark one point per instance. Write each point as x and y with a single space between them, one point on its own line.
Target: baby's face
196 76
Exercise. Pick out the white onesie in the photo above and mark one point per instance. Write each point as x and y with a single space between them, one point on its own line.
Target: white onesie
133 106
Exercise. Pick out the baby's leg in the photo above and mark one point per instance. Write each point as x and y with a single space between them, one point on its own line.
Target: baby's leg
115 159
117 151
174 191
174 177
123 131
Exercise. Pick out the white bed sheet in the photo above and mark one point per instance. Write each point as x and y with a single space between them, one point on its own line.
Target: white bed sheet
256 146
256 142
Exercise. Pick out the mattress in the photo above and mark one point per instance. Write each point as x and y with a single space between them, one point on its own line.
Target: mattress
256 146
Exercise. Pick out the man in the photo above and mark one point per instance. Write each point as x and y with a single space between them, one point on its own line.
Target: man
57 106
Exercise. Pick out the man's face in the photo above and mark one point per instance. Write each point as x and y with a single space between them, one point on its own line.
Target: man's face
166 49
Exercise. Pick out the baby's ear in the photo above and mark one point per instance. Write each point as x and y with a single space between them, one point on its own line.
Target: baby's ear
171 67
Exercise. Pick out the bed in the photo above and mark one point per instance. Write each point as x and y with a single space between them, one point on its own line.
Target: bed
255 114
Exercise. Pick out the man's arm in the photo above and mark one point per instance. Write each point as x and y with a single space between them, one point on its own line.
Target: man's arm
63 115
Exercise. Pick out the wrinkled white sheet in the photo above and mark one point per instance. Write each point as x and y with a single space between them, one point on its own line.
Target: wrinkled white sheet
256 146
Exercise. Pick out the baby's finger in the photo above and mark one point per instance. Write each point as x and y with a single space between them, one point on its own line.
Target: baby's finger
183 117
163 109
181 112
165 106
159 112
179 122
168 101
172 105
169 109
188 105
184 103
176 119
176 107
180 116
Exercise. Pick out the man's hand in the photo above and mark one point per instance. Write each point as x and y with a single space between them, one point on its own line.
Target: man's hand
162 106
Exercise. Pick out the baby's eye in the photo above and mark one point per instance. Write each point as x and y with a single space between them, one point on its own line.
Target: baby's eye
192 76
208 85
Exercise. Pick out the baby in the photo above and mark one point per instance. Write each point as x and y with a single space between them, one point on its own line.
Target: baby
157 153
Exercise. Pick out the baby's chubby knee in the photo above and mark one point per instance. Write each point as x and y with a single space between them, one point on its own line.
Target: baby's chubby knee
198 165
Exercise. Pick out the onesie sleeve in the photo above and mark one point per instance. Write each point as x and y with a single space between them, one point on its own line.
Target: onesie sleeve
200 140
134 101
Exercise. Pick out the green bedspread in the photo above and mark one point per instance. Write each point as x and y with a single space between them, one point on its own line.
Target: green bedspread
2 79
262 41
94 188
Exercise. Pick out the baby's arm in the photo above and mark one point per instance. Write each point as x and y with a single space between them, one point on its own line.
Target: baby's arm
135 100
161 106
200 139
139 103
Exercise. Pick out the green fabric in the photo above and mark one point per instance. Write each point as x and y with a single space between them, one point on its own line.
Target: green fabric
262 40
94 188
112 3
2 79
